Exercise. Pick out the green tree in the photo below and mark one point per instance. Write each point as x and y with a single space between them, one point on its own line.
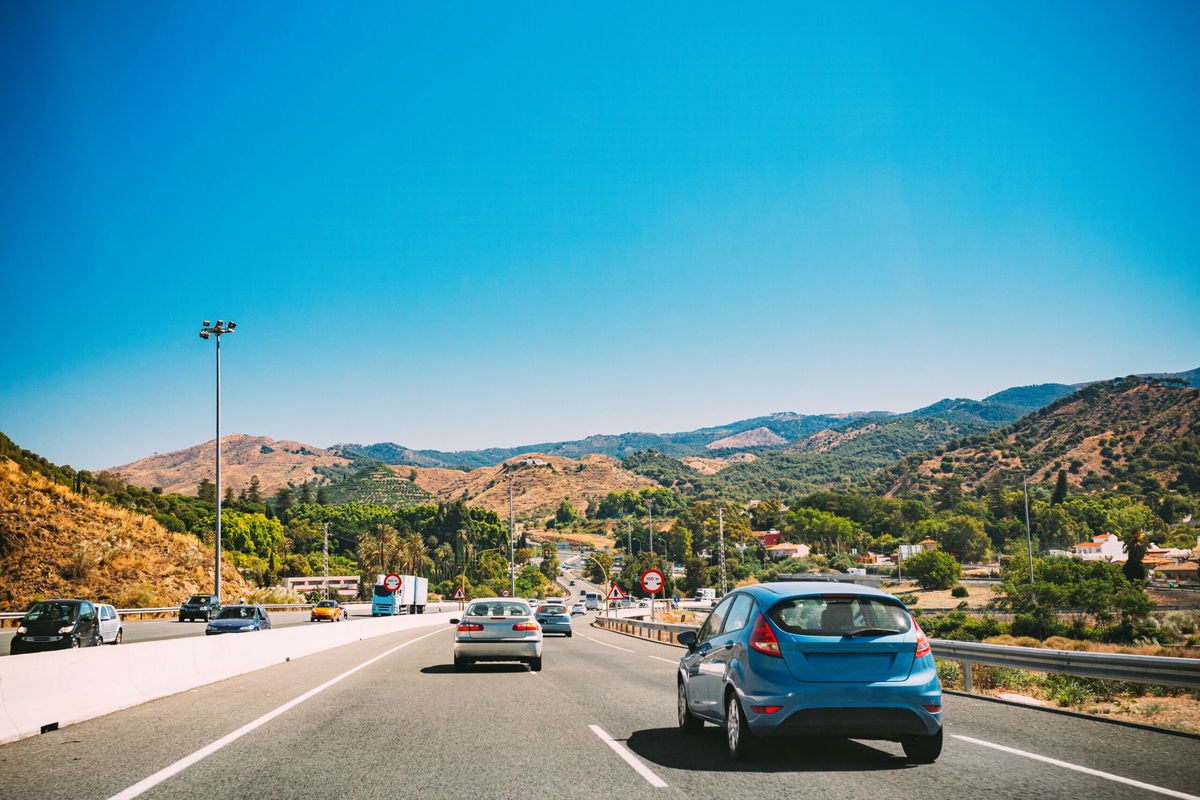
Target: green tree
566 514
254 493
1060 488
964 538
206 491
598 566
1135 524
933 569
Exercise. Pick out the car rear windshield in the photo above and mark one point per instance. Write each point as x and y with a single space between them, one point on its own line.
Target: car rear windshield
327 604
498 610
840 615
237 612
52 612
554 609
199 599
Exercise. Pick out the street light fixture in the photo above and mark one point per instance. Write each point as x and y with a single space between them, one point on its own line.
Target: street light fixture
207 331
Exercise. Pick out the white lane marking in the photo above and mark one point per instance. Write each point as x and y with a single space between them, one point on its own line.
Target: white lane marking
204 752
629 758
605 644
668 660
1085 770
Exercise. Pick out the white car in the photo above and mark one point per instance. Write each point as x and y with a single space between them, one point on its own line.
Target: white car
497 629
109 623
578 608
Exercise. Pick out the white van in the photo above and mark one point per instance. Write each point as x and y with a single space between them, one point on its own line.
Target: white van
705 595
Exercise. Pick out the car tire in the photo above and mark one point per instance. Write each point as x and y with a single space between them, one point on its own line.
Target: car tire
120 636
99 640
74 643
923 749
688 722
569 634
535 664
740 741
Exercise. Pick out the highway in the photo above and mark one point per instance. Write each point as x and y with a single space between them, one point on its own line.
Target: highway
388 717
152 629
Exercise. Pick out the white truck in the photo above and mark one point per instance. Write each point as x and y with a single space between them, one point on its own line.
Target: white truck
410 598
705 595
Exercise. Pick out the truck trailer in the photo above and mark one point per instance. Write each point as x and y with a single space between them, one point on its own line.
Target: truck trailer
410 598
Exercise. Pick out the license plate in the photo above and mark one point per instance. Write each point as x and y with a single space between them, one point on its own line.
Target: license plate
43 638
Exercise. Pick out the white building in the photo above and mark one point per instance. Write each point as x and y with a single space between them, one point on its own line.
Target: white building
1105 547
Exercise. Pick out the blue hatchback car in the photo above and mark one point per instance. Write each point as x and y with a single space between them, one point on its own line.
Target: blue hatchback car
811 658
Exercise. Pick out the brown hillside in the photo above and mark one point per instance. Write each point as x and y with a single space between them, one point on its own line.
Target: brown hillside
56 543
828 439
711 466
754 438
1103 434
537 490
277 463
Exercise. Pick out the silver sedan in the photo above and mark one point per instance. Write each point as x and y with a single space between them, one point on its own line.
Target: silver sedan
497 629
554 618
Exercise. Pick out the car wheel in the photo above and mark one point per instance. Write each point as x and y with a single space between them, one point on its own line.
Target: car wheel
99 640
739 739
688 722
923 749
568 634
74 643
535 664
120 636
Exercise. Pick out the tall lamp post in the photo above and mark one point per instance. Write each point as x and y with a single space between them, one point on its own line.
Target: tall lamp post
215 331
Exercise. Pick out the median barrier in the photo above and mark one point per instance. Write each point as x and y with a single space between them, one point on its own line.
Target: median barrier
44 691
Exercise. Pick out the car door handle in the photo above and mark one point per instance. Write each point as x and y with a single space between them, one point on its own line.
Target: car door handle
729 645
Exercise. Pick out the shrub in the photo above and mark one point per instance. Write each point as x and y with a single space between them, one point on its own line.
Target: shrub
949 673
1037 626
140 595
933 569
1067 691
959 591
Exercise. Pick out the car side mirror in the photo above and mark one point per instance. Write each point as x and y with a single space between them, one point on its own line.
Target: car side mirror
453 622
687 639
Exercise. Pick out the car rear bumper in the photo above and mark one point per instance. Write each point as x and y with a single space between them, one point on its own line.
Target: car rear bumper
556 627
498 651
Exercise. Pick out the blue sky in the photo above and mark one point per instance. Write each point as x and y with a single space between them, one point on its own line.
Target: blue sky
496 224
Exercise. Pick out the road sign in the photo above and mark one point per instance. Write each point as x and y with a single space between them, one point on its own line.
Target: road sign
652 581
615 593
504 593
392 582
459 594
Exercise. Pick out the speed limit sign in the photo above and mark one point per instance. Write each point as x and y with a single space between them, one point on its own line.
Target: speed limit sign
392 582
652 581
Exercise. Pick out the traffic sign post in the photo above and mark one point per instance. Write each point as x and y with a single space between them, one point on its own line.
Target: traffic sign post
392 582
652 582
614 593
505 593
460 596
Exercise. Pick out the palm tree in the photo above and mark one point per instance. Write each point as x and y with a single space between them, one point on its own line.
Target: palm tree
412 555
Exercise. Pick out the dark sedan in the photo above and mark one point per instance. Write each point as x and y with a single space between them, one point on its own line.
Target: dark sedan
239 619
57 625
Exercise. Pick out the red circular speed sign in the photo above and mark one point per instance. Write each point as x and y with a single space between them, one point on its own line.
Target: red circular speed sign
392 582
652 581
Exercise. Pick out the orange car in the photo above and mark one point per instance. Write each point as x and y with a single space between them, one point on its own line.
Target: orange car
328 609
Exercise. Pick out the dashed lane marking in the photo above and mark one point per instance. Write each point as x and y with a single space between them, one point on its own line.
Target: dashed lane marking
629 758
163 774
605 644
1085 770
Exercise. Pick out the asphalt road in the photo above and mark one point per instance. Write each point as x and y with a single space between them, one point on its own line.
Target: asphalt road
388 717
152 629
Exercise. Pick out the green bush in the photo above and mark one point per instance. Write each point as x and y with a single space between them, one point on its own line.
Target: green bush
959 591
949 673
933 569
1067 691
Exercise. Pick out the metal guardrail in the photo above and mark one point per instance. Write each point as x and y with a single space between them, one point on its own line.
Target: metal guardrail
7 615
1163 670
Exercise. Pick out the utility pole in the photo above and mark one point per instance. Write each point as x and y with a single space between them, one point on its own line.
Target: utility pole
721 545
205 332
650 517
1028 534
325 558
512 570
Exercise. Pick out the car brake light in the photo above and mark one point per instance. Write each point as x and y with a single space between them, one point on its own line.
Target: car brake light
765 709
525 626
933 709
470 626
923 648
762 638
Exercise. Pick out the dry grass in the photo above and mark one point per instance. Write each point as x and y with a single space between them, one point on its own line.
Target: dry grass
56 543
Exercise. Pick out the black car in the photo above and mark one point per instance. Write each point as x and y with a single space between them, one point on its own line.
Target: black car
200 606
57 625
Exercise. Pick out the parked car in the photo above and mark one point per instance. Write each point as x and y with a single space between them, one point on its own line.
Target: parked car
111 629
200 606
824 659
330 610
239 619
57 625
497 629
554 618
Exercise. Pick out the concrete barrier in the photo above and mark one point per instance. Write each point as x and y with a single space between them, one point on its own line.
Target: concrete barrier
42 691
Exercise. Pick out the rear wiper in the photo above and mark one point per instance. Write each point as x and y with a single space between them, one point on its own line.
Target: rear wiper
869 632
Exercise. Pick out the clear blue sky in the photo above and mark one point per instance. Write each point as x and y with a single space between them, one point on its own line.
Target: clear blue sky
469 225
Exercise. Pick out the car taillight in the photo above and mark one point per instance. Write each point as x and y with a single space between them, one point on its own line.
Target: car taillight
923 648
762 638
470 626
933 709
525 626
765 709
